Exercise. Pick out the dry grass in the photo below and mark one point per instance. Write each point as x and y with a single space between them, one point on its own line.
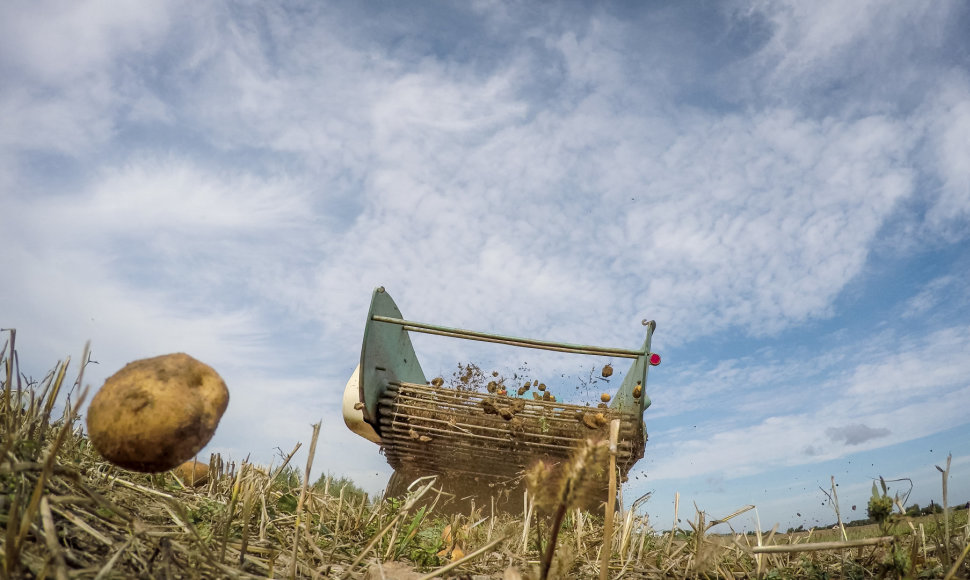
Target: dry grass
64 513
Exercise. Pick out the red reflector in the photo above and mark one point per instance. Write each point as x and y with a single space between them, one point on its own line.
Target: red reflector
654 359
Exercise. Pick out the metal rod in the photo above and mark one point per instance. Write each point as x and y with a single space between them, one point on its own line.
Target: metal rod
509 340
820 546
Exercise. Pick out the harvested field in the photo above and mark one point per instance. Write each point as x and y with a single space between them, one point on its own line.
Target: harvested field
65 513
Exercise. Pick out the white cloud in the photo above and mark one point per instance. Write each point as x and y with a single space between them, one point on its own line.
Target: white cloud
58 43
870 50
949 134
155 256
929 297
246 176
763 241
68 123
710 204
177 196
879 396
65 62
914 369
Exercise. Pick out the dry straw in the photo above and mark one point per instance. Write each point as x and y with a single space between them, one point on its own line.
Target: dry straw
64 513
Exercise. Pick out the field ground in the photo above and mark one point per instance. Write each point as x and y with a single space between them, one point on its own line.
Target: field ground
65 513
930 524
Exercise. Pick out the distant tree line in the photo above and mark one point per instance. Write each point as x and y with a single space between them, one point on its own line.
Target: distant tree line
915 511
934 508
912 511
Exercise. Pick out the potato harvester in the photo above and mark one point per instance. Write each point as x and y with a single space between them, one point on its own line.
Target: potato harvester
426 428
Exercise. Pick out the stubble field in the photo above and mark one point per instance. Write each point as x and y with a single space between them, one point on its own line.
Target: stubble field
66 513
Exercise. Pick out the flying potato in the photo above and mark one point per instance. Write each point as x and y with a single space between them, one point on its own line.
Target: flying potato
156 413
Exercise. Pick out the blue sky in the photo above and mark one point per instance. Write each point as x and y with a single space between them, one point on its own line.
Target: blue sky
783 186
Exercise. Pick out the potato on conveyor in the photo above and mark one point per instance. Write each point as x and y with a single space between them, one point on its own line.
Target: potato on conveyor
156 413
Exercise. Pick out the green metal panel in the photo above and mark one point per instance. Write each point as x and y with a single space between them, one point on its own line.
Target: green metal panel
637 375
386 356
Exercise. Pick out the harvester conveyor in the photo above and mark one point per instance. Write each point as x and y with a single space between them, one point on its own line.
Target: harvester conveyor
426 428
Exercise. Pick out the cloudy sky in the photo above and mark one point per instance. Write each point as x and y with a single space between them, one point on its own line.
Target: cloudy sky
783 187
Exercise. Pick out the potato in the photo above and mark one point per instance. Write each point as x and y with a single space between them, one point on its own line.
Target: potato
156 413
193 473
